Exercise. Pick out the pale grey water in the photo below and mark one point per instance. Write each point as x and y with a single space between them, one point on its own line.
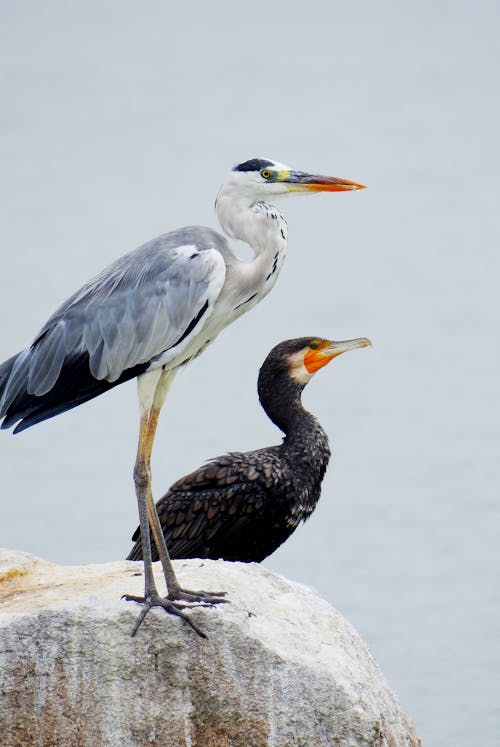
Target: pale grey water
119 121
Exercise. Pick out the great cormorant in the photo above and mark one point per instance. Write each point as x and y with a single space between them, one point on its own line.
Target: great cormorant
242 506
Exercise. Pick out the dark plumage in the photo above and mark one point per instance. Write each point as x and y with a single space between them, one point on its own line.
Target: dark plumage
254 164
74 386
242 506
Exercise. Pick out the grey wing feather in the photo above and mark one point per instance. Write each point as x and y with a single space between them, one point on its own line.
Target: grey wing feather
133 311
15 379
47 361
136 324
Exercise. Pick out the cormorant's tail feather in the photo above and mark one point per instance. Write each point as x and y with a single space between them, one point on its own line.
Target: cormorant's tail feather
136 551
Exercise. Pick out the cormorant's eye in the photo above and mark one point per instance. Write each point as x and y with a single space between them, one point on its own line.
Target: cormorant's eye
313 345
265 174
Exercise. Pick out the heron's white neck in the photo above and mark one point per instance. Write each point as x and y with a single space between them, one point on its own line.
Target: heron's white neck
264 228
259 224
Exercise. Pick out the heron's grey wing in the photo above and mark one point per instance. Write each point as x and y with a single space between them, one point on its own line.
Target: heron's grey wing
139 324
146 303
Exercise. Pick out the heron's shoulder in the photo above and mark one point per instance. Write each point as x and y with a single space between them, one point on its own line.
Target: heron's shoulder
201 238
164 254
152 261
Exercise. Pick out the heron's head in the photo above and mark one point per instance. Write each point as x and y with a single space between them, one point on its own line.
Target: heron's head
261 177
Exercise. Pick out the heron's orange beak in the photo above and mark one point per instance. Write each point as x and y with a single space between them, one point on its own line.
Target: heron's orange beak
299 181
327 350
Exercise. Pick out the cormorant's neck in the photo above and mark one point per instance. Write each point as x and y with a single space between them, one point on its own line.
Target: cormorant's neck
306 443
281 400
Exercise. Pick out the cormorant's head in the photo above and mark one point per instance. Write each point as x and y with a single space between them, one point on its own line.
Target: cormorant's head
299 359
261 177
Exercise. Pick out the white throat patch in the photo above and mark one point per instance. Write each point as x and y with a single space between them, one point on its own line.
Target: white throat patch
298 371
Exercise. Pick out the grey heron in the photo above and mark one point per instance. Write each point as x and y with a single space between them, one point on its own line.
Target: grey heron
146 315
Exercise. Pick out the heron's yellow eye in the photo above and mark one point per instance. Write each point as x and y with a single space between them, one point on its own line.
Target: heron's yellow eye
265 173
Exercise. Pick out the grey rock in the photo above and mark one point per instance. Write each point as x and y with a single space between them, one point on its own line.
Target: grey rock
280 667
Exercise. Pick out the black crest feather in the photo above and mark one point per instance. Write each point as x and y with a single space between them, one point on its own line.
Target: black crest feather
254 164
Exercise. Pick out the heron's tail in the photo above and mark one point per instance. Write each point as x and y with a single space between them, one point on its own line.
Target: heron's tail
73 386
13 379
7 368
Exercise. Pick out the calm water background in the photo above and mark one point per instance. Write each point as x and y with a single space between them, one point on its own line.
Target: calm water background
119 122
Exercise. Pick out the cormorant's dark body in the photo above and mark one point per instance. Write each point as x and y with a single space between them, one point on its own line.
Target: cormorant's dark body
242 506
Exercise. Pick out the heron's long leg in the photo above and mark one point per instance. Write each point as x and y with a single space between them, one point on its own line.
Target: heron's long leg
152 514
151 598
148 515
174 590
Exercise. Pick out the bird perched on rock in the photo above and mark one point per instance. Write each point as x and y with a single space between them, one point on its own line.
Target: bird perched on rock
148 314
242 506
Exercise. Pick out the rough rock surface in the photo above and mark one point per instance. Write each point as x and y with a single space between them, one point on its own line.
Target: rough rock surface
280 667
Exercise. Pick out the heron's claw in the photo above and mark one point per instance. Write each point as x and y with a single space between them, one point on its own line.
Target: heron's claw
170 606
204 598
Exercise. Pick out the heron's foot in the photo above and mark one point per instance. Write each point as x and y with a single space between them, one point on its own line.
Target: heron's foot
204 598
170 606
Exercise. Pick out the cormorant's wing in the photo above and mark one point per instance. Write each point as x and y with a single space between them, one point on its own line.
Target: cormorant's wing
208 512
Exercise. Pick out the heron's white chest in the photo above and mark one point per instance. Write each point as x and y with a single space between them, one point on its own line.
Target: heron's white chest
245 284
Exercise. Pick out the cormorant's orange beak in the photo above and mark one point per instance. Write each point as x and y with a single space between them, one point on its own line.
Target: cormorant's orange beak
327 350
299 181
